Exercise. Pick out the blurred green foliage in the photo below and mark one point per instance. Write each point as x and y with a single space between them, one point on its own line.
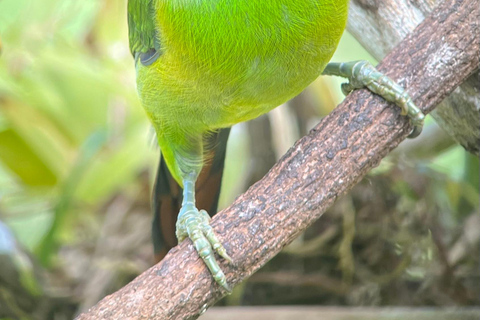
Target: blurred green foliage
72 132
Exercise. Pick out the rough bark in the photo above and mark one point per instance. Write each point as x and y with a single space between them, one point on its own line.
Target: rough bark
320 167
381 25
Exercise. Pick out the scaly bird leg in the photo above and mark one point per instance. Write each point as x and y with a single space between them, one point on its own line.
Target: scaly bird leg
195 224
361 74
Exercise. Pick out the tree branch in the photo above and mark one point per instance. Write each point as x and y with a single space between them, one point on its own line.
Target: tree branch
320 167
381 26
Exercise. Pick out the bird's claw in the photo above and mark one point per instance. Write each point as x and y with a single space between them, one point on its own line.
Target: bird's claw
361 74
195 224
366 75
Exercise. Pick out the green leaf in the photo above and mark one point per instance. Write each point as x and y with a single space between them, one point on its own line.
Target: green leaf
20 158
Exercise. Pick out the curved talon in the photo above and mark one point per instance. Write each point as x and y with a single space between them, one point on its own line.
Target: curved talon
417 122
212 238
347 88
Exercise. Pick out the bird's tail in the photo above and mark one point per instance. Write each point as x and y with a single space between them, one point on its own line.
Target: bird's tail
167 194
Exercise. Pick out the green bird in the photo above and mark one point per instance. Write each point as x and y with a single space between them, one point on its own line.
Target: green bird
205 65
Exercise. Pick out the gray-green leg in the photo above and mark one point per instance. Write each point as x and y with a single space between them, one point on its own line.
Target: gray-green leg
361 74
195 224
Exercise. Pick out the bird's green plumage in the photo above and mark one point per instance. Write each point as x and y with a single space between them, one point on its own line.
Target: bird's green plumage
225 61
141 26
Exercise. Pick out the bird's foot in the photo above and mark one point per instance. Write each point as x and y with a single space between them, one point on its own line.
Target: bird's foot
195 224
361 74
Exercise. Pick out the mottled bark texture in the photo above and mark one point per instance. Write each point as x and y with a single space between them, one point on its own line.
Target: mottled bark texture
330 160
381 24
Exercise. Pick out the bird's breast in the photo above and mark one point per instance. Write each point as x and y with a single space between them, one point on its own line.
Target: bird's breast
236 59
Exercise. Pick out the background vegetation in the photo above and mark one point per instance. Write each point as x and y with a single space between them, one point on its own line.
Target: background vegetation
77 161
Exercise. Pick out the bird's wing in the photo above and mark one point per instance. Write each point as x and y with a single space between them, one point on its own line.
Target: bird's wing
142 33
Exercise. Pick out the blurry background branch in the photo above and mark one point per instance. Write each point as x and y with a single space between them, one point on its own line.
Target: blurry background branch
319 168
332 313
